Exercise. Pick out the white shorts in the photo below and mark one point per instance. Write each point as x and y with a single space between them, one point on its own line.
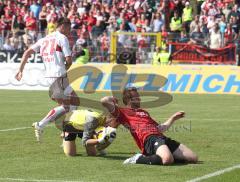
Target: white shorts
59 88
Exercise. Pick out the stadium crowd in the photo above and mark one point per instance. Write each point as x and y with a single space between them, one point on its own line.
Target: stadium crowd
213 23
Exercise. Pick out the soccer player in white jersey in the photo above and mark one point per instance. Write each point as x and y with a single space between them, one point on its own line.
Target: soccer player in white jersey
56 55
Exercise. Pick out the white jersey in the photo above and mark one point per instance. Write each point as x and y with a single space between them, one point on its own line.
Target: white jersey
53 48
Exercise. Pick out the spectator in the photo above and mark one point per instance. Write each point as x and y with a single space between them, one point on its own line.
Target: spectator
157 22
8 22
222 27
83 32
211 22
7 45
27 39
143 42
179 6
97 30
141 20
3 26
197 37
31 25
176 25
147 26
43 20
83 53
229 35
235 24
81 8
15 41
215 38
234 12
9 9
199 4
36 9
2 6
156 56
194 24
105 44
91 21
226 11
183 37
51 14
112 26
121 18
187 17
18 24
212 10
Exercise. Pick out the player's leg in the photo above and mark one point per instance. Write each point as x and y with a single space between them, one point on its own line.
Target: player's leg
157 152
56 93
69 146
90 125
165 154
74 99
71 98
183 153
90 147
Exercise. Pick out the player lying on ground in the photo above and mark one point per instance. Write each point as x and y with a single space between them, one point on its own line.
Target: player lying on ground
56 54
91 126
148 134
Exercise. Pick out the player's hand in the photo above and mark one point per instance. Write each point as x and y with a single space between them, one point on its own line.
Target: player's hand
115 100
108 135
178 115
19 75
104 137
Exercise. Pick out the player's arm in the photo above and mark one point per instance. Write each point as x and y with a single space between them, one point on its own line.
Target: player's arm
89 128
66 52
167 124
68 62
34 48
25 57
110 103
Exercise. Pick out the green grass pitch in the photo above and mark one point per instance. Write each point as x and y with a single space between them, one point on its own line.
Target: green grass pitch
211 129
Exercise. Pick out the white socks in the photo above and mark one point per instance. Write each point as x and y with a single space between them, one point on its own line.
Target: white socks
52 115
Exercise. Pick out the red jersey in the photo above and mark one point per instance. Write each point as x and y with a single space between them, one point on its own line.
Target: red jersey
139 122
31 24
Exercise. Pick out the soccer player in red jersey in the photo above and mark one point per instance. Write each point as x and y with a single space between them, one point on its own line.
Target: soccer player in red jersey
156 148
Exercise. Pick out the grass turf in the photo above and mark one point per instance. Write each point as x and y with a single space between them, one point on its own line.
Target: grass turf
211 129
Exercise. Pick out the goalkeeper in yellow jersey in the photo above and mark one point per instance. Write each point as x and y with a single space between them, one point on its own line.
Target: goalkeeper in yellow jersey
93 127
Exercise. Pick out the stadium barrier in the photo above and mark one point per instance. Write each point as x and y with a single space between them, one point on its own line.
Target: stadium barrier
196 54
111 77
15 57
33 77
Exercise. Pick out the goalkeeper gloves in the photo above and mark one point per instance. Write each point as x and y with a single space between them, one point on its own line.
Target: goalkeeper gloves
109 134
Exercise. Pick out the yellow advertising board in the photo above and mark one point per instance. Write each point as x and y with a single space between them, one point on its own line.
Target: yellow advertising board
172 79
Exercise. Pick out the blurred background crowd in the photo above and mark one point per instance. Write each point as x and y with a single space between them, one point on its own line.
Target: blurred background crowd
210 23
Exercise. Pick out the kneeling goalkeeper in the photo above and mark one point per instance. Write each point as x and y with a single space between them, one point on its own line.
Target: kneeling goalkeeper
92 127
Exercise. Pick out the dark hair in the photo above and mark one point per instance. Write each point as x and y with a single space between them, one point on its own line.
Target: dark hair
127 94
63 21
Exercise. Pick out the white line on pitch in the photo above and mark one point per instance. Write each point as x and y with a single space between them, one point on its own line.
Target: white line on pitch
36 180
217 173
14 129
20 128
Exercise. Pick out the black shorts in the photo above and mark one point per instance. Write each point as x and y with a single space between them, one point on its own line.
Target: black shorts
152 143
70 133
